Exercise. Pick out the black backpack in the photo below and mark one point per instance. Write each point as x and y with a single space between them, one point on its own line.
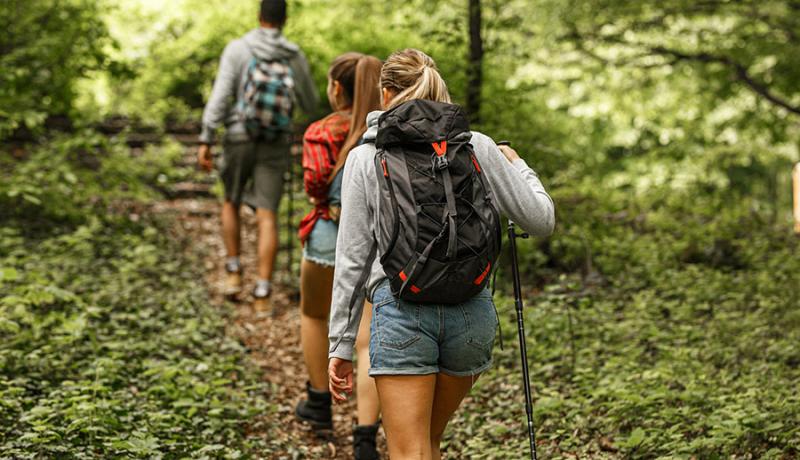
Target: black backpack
439 231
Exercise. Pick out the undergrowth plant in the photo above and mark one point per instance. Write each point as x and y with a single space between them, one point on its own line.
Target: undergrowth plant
108 347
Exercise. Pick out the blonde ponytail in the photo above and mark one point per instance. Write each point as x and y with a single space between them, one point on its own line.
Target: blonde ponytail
413 75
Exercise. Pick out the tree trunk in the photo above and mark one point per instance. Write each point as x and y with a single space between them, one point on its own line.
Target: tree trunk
475 68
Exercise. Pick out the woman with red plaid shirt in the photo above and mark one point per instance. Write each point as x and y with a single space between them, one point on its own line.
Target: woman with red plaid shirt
352 93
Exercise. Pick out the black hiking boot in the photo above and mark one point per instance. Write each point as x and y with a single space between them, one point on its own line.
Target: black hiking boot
316 410
364 442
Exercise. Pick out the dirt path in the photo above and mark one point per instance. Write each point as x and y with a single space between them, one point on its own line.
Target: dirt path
271 336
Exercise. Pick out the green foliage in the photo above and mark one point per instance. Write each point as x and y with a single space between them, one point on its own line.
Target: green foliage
109 347
78 174
170 51
47 46
666 359
174 68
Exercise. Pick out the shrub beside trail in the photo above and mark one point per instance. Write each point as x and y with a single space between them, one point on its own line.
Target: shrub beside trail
109 346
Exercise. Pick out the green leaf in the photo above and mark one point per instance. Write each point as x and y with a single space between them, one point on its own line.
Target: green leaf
636 437
31 199
6 325
8 274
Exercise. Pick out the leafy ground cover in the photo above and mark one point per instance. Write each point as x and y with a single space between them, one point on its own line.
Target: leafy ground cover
680 339
109 346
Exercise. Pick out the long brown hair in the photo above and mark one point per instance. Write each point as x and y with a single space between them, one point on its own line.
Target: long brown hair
359 75
413 75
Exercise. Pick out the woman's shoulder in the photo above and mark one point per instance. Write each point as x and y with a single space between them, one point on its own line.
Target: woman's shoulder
333 128
363 153
482 144
361 157
480 139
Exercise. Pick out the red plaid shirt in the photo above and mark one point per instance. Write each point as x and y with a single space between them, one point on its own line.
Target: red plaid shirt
322 142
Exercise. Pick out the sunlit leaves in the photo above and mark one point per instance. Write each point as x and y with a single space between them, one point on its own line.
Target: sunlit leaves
47 47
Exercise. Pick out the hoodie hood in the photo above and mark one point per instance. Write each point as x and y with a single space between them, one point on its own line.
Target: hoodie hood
270 44
372 125
421 121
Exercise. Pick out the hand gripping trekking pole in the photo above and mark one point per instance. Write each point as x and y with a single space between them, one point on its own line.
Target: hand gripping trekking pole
512 239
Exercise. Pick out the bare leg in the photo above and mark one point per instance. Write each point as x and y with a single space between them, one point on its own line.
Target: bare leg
316 283
450 391
367 407
267 242
231 234
407 401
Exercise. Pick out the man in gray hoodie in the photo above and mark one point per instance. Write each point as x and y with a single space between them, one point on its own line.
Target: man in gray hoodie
252 170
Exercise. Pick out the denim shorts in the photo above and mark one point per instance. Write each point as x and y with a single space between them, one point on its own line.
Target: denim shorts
320 247
407 338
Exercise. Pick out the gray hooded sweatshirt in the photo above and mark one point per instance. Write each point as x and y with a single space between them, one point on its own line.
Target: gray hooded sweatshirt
517 193
263 43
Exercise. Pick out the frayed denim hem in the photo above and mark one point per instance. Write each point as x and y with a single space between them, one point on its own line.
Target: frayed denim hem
318 260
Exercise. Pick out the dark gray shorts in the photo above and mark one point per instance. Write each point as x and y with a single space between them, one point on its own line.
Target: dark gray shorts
252 172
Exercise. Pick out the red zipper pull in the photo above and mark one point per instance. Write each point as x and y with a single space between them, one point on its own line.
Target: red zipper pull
477 166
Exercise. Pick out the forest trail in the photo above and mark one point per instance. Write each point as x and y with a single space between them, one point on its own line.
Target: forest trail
271 336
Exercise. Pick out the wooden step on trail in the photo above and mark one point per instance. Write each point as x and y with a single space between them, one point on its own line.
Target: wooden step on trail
190 190
187 139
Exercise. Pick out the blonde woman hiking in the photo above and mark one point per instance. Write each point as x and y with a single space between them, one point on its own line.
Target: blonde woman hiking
419 235
352 93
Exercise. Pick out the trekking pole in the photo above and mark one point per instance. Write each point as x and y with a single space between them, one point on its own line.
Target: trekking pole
523 349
